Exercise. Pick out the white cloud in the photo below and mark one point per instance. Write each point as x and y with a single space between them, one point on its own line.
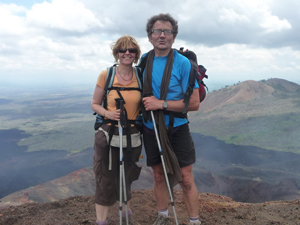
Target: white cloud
11 22
68 15
231 17
272 23
69 40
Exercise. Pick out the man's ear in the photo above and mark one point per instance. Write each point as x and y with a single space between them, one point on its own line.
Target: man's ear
173 40
150 38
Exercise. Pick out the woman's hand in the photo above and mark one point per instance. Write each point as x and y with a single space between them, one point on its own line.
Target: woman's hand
113 115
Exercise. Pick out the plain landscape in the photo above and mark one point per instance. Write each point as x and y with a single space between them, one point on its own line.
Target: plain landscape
246 137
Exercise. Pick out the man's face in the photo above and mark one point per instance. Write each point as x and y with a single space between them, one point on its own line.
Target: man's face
162 41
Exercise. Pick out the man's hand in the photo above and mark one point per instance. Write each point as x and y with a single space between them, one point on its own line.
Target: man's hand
151 103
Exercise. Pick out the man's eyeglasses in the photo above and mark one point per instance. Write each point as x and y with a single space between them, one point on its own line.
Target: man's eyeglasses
159 31
124 50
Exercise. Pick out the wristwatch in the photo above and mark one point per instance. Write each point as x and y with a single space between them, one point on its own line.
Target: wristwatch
165 105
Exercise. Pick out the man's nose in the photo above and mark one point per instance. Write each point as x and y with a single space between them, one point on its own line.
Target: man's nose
162 34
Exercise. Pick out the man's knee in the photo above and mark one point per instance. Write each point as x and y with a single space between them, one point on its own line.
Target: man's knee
187 178
158 174
158 178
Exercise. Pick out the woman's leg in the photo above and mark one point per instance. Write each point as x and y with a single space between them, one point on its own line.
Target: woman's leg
101 212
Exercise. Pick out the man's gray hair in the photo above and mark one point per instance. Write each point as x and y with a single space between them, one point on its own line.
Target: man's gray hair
162 17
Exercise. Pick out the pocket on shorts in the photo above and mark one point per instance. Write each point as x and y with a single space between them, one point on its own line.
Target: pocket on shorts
135 169
100 145
135 173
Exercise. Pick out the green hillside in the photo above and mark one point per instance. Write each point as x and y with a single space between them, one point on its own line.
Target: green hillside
55 119
270 121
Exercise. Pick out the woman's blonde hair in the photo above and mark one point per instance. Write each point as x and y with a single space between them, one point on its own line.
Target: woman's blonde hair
123 42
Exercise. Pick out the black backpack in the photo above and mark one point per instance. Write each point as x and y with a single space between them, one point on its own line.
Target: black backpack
201 72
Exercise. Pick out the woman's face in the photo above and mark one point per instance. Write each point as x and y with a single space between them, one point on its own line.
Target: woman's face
127 56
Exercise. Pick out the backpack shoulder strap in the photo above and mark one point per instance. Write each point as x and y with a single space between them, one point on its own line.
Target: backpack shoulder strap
142 63
139 76
192 79
111 71
109 83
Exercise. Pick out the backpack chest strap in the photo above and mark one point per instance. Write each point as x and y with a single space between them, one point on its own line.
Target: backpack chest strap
124 88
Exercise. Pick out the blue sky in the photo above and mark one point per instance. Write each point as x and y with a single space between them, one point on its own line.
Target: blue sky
68 41
26 3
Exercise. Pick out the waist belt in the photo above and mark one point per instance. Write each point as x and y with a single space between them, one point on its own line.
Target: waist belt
129 140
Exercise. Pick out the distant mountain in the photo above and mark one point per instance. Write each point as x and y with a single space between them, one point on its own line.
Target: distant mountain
265 114
240 93
79 182
283 85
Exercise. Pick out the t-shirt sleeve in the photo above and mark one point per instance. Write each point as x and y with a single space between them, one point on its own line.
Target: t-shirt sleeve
102 79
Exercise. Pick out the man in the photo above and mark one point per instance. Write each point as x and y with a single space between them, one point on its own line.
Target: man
164 96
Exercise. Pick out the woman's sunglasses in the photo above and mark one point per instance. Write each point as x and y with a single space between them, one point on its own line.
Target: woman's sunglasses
131 50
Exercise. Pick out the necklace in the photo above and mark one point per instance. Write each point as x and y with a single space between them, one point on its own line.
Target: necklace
123 77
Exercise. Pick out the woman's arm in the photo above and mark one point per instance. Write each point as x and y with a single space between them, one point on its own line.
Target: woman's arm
99 109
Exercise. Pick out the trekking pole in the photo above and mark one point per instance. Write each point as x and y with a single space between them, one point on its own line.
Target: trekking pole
119 105
164 167
124 189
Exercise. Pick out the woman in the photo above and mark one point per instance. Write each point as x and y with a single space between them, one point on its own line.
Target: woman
126 51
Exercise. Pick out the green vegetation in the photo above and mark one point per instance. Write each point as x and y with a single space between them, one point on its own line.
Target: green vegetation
76 151
279 132
53 121
69 136
270 122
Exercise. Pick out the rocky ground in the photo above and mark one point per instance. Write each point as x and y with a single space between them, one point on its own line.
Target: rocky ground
214 209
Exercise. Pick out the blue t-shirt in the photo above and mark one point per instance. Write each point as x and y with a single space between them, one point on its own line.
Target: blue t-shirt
178 83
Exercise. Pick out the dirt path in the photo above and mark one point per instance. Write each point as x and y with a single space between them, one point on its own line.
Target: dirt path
214 209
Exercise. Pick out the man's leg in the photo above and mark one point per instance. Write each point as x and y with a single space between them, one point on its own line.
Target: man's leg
190 193
160 187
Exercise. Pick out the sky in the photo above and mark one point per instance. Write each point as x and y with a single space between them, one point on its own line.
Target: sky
69 41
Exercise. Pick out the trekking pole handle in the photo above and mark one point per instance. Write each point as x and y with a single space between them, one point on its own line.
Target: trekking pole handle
118 102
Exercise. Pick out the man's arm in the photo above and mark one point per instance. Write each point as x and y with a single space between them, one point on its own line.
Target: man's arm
194 100
151 103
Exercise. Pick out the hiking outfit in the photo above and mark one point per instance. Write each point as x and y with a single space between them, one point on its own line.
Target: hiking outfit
180 138
106 164
167 78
